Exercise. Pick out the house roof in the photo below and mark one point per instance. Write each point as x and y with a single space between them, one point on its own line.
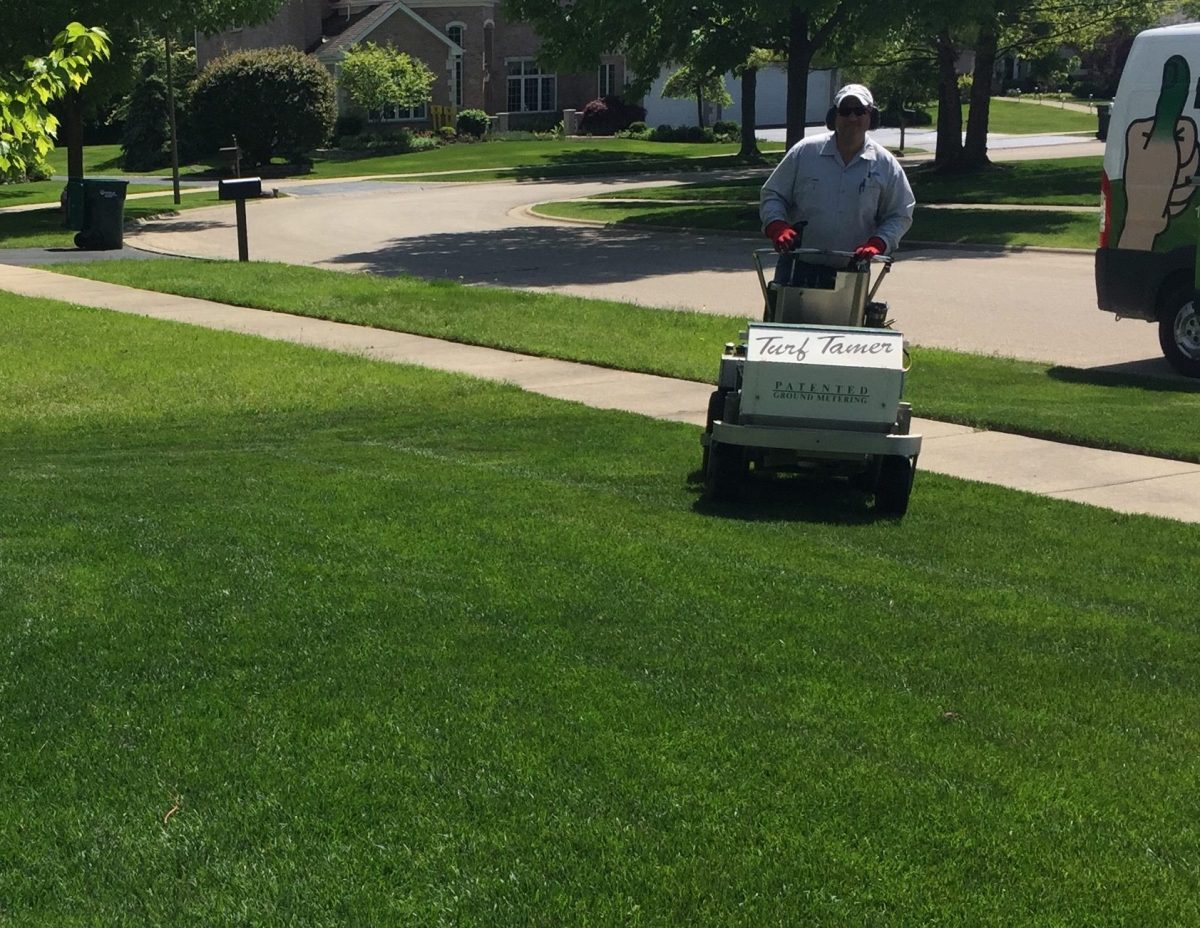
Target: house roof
336 48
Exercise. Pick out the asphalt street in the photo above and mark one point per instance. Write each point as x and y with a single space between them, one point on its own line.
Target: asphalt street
1031 304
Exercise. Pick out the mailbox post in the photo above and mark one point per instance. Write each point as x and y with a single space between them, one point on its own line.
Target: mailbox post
240 190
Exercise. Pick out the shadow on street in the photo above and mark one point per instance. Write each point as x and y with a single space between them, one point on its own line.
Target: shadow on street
543 256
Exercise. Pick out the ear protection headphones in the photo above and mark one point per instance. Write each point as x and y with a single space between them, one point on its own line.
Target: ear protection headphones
831 115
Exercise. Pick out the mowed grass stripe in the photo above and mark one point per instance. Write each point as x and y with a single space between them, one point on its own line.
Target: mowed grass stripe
1099 409
402 646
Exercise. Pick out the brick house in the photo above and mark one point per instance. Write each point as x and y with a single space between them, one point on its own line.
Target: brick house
480 59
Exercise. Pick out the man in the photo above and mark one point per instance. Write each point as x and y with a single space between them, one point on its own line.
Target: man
850 192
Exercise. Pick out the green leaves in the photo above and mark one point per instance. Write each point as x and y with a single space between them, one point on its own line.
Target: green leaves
27 128
377 76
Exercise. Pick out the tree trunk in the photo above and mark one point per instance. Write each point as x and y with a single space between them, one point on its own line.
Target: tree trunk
749 115
700 108
171 111
72 124
800 53
974 154
949 124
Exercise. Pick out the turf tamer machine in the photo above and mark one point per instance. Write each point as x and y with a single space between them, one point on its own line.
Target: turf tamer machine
815 388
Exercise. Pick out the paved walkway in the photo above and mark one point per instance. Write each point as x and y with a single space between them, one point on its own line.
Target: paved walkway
1122 482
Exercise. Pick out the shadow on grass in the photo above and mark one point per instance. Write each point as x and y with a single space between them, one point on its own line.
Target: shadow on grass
1153 374
1066 180
791 498
596 161
1032 227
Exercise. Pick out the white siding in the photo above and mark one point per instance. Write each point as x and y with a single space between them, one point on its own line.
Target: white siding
771 102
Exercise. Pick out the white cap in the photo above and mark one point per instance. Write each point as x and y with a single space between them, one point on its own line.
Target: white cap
858 91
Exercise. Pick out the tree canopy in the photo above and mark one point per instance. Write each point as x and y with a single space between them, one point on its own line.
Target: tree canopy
376 76
27 128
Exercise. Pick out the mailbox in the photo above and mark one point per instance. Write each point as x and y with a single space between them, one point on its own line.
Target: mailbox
240 188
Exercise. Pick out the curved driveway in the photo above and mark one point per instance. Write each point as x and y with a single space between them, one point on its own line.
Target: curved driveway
1037 305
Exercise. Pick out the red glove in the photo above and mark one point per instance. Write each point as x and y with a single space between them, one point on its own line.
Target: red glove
870 248
782 236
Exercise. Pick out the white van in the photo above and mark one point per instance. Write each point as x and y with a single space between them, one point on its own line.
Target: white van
1146 262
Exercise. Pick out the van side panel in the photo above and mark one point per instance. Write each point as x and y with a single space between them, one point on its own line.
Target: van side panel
1150 156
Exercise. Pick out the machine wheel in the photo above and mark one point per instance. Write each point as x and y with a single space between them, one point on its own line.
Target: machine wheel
866 480
724 471
1179 332
716 410
895 485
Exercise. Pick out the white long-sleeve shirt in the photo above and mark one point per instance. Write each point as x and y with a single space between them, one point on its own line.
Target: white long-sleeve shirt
843 204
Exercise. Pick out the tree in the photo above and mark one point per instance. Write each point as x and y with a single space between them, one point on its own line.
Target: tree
27 128
713 36
376 77
993 29
31 23
688 82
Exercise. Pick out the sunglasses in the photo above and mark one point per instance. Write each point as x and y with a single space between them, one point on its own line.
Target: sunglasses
851 111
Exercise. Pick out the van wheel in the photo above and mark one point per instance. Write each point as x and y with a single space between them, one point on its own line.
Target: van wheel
1179 333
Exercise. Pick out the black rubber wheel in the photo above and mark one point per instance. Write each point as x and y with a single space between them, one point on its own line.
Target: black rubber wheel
724 471
895 485
716 410
1179 332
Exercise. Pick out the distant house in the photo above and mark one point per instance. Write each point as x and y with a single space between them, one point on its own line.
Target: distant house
480 59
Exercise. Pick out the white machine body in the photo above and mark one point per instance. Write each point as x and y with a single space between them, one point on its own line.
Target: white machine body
823 375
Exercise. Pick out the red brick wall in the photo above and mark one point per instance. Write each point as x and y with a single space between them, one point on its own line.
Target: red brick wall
298 24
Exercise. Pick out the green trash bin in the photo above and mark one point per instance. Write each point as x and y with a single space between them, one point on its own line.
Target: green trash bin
103 215
72 204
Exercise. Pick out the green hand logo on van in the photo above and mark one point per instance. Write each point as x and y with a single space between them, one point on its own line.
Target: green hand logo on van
1160 158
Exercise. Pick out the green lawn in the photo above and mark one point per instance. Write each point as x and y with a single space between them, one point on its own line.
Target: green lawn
561 156
293 637
44 228
538 159
523 160
1101 410
1012 118
1045 182
965 226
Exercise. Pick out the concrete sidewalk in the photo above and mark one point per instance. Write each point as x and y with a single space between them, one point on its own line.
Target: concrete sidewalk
1121 482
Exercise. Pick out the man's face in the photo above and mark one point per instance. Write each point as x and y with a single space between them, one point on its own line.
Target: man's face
852 119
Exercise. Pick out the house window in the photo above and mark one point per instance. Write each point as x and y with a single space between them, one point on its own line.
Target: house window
608 80
454 32
393 113
529 90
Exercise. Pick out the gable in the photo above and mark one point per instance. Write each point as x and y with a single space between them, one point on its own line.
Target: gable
335 49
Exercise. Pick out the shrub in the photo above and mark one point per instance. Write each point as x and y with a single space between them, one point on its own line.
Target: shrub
398 142
682 134
448 133
637 127
277 101
349 125
474 123
725 130
609 115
